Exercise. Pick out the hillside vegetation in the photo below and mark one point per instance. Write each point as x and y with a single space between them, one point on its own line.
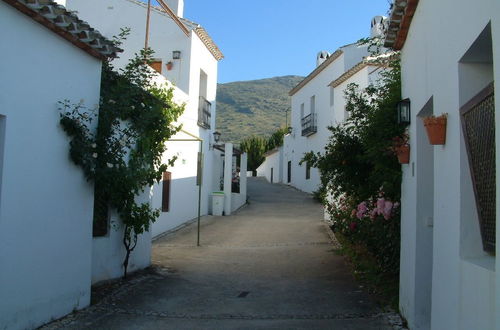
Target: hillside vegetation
255 107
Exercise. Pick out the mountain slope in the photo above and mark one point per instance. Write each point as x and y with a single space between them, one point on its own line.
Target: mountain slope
255 107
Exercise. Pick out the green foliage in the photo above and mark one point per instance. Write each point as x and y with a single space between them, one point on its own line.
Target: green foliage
257 146
120 148
256 107
361 172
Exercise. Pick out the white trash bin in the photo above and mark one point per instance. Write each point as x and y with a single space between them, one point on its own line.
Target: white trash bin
217 202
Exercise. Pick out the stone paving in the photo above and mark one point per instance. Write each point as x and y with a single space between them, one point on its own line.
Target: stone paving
271 265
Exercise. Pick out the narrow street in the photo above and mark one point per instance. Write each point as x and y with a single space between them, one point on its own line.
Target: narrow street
270 265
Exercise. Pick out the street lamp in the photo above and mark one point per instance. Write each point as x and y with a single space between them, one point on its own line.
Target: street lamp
216 136
176 54
403 108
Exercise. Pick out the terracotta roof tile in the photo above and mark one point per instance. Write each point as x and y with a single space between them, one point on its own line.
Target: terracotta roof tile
66 24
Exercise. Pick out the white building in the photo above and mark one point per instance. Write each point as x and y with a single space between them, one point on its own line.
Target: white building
318 102
187 58
450 56
46 204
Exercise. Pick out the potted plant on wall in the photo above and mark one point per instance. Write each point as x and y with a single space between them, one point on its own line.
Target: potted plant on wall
436 129
169 65
401 148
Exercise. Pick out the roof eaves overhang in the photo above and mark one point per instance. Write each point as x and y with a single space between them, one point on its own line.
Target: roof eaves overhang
67 25
316 72
399 23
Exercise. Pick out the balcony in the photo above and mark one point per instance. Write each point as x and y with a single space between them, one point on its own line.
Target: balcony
309 126
204 113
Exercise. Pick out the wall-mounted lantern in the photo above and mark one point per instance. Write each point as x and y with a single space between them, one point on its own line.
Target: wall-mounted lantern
290 129
404 112
216 136
176 54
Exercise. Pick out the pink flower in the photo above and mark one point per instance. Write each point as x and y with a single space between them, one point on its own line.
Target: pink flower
380 206
387 210
373 214
361 210
352 226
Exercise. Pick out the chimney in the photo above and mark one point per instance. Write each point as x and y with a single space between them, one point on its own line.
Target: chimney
378 26
321 57
177 6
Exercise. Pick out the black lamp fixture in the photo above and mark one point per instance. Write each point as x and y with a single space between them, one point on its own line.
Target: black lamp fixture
289 129
176 54
404 112
216 136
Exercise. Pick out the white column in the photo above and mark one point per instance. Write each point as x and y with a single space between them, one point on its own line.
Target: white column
243 175
228 167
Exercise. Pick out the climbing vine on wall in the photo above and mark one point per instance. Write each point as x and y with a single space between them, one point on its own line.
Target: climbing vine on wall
120 145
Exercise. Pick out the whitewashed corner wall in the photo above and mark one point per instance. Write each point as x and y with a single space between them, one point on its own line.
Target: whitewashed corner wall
462 286
46 204
272 166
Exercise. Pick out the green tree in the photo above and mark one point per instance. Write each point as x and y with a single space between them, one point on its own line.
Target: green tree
255 147
122 154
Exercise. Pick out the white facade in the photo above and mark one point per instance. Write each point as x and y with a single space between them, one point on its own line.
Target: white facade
315 95
447 280
272 167
45 202
194 76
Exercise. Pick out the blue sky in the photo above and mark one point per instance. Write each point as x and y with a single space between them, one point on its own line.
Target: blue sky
268 38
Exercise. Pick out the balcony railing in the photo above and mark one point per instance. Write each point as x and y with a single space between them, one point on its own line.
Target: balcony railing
204 113
309 126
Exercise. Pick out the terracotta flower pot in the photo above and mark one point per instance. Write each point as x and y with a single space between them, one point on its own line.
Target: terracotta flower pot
403 153
436 129
169 65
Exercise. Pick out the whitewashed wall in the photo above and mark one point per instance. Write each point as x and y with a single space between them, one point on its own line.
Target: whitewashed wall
296 144
273 161
455 274
165 37
46 204
109 16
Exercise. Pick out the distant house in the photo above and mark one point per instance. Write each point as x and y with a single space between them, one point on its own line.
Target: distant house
46 205
450 61
186 58
318 102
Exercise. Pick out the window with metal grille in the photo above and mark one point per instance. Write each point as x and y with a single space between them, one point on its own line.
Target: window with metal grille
478 125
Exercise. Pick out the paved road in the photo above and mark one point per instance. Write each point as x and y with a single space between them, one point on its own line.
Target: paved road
269 266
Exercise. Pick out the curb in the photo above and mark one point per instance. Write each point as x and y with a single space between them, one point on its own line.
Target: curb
330 233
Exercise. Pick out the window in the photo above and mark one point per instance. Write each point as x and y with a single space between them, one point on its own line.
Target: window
204 107
165 197
308 171
100 223
313 104
156 64
302 110
478 124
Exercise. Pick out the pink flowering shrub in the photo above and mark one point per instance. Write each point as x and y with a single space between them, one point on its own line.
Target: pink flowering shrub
374 223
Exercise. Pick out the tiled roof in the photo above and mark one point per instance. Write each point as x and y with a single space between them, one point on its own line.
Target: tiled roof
66 24
316 72
377 61
399 23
